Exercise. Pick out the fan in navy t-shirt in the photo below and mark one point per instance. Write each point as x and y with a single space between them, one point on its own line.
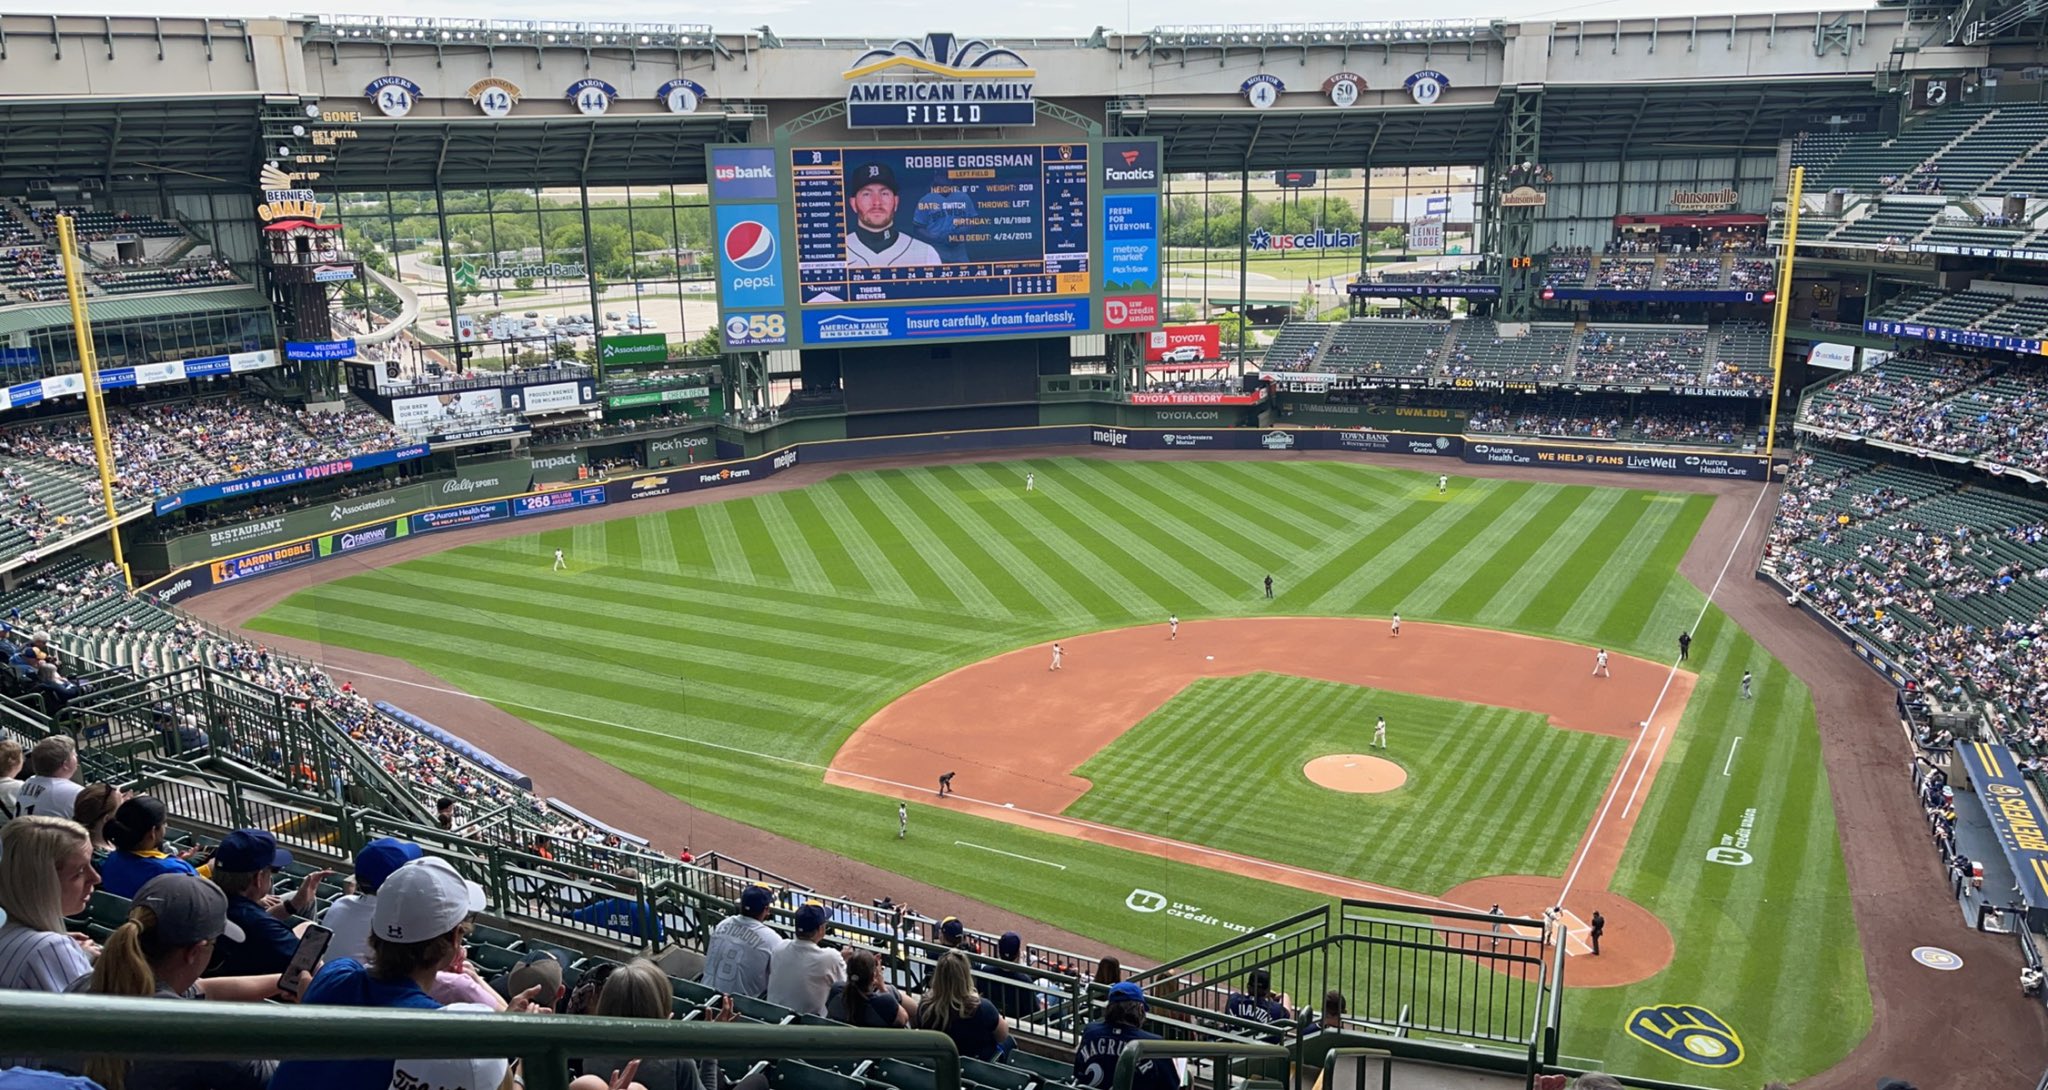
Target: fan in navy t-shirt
1103 1042
1256 1002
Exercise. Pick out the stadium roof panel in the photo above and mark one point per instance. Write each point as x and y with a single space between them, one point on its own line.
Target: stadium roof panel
177 142
531 153
123 308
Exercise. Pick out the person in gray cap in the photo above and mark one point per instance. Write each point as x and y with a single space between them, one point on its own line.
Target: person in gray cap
159 952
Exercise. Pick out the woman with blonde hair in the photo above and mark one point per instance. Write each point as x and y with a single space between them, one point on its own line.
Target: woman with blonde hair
639 989
952 1006
46 874
159 953
91 809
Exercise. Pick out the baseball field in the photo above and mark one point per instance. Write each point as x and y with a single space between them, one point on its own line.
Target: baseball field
799 660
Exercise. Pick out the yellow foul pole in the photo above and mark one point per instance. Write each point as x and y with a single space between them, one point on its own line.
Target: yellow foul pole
1784 308
89 366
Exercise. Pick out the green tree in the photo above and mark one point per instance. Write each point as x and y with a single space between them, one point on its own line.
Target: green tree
703 346
1230 327
523 283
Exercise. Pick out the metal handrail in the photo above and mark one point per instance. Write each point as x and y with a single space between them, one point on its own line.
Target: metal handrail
1138 1052
110 1026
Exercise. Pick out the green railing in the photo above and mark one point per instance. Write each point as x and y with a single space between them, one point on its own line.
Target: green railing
136 1028
1219 1052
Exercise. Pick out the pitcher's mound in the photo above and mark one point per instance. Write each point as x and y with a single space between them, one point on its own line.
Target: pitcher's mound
1355 773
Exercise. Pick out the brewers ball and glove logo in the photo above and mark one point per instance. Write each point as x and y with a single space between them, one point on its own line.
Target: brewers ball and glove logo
1695 1035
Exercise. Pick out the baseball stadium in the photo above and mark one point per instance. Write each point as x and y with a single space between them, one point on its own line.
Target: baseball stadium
1432 554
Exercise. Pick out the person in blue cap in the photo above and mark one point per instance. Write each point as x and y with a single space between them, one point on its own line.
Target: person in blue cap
349 917
1103 1042
245 866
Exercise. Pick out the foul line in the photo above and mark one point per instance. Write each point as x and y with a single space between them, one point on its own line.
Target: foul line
1731 755
1013 855
1599 820
1061 819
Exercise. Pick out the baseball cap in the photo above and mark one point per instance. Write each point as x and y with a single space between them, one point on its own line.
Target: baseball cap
1126 990
422 900
952 929
483 1073
249 850
188 909
811 917
1009 946
381 858
537 967
868 174
756 898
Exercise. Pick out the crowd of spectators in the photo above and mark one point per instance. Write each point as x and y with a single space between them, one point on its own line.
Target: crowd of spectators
30 274
1625 275
1650 355
1750 274
1611 419
1952 405
139 277
1692 273
1566 270
94 225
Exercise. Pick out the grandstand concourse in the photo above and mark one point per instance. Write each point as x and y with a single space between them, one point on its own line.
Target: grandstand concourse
707 526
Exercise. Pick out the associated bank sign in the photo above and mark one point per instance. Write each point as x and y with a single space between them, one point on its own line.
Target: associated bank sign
940 82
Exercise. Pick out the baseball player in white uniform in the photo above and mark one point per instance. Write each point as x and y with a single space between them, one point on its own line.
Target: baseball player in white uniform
1173 626
1600 664
1397 624
1379 733
560 564
902 821
1030 482
875 239
1745 685
1443 482
1056 656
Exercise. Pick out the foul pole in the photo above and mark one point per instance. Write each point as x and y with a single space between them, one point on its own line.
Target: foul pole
1784 309
89 366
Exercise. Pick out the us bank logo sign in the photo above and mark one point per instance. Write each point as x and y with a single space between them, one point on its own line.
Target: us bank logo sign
942 81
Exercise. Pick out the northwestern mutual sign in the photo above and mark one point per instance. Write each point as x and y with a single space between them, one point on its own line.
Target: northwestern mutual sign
941 82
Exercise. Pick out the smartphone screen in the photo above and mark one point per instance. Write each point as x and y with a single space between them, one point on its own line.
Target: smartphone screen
312 947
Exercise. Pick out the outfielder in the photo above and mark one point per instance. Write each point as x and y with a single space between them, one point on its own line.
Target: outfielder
1443 482
1030 482
1056 655
875 239
1173 626
902 821
1600 664
1745 685
560 564
1379 733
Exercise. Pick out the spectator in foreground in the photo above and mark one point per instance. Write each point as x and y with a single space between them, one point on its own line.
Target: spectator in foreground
245 866
952 1007
421 917
95 804
1257 1002
1102 1043
46 874
639 989
49 792
867 1002
801 973
159 953
349 916
137 833
1012 992
1109 972
1332 1020
736 958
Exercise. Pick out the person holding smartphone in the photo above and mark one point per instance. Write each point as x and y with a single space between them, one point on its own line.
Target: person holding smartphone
159 952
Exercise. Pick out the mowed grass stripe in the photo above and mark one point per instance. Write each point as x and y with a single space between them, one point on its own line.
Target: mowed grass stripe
1478 586
1450 554
1521 588
1595 551
1201 553
1112 559
867 556
1601 593
1230 509
1198 576
728 556
1403 548
1231 537
926 530
1011 574
1480 552
801 554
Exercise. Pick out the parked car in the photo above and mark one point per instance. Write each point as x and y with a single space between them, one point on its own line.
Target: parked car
1186 353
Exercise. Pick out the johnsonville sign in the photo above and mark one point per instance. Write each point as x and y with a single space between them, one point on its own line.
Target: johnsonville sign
1711 200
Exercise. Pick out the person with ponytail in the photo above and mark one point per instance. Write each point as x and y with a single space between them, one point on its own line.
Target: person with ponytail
159 953
137 833
93 808
868 1001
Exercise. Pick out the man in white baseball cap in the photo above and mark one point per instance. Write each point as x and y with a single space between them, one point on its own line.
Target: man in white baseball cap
417 929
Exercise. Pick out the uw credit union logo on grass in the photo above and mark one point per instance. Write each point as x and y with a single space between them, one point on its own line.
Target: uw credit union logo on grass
1695 1035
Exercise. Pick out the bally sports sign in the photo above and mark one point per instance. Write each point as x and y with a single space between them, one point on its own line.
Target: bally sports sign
939 82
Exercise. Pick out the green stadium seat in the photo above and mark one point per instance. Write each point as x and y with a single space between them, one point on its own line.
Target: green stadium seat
796 1075
491 960
697 994
107 910
760 1010
1043 1066
996 1076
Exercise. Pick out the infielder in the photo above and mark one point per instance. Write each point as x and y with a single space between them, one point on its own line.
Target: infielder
1030 482
1173 626
873 195
902 821
560 564
1397 624
1379 733
1600 664
1056 655
1497 915
1745 685
1443 482
945 785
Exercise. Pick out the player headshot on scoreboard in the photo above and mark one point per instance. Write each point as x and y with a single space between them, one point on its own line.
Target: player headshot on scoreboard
872 193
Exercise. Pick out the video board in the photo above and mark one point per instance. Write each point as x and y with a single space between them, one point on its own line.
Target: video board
887 224
887 243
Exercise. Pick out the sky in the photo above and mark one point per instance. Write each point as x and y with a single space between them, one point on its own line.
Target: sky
890 19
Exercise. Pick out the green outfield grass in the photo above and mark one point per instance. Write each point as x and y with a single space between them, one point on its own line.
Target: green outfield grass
794 615
1244 740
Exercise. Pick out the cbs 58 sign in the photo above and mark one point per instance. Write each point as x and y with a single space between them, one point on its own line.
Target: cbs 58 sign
755 330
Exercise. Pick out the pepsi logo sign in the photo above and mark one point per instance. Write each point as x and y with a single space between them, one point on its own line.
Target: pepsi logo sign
750 246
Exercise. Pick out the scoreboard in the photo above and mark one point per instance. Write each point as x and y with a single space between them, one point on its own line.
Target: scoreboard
880 243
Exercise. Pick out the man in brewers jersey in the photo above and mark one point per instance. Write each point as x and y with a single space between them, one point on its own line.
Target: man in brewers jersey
875 239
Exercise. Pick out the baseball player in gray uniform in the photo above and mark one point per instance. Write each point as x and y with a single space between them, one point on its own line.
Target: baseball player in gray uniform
875 239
